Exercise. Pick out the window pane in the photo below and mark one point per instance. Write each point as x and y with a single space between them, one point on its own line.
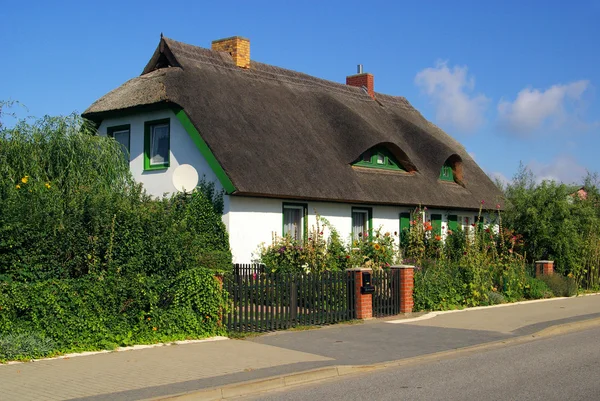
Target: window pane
159 144
366 157
380 158
123 138
359 224
293 222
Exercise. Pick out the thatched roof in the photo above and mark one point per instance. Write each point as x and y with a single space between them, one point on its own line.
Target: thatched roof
280 133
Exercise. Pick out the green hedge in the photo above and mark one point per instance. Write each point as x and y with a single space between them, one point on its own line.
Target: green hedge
103 312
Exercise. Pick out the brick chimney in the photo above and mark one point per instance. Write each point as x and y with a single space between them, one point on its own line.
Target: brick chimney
362 79
238 47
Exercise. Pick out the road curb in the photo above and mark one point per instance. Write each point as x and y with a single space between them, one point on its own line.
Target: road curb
313 375
431 315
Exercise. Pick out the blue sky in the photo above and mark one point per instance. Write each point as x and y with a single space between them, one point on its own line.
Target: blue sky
512 80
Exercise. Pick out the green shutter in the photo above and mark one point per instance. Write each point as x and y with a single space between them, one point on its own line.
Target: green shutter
404 224
436 223
453 222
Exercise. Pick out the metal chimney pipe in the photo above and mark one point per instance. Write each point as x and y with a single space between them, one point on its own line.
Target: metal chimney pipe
359 69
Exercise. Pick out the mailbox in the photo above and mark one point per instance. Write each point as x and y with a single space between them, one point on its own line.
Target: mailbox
367 287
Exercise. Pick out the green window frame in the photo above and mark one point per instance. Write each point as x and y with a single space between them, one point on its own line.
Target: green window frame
299 213
404 225
446 174
121 130
378 158
149 132
362 216
436 224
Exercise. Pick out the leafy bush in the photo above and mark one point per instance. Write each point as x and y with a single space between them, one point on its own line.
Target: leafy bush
437 287
536 289
103 312
321 253
559 285
495 298
24 346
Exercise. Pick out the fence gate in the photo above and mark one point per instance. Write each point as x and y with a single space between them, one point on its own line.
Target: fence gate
386 298
263 301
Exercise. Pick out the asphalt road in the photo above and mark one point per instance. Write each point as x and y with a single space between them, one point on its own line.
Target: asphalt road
564 367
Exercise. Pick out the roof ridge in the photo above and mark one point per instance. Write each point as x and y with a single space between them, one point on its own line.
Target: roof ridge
287 76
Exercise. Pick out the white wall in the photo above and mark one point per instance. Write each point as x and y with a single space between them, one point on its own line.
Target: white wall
183 151
252 221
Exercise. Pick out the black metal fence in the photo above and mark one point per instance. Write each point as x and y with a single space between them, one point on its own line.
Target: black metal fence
386 298
263 301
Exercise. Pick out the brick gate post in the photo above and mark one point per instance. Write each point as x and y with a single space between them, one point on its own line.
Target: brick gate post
407 285
544 267
363 303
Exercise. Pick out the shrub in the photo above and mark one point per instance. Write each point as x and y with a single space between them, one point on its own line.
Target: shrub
536 289
437 287
24 346
102 312
495 298
559 285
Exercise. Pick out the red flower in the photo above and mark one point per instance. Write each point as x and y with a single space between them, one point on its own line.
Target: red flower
487 230
347 256
498 206
438 237
482 202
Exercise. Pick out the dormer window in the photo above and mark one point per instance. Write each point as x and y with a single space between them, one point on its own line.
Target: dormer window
446 173
452 170
379 158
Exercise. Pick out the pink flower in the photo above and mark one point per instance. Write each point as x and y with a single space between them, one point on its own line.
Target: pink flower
482 202
498 206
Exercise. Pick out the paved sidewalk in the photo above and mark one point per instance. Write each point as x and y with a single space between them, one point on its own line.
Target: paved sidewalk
155 372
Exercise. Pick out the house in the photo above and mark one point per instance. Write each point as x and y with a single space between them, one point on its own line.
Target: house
285 145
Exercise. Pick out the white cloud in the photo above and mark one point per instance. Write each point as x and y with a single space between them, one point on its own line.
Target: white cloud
449 90
532 107
563 168
497 176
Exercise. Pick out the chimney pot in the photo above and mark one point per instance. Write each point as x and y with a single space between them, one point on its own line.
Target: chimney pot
359 69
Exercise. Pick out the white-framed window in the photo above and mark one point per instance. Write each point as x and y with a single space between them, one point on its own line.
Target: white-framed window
122 135
294 220
157 144
361 222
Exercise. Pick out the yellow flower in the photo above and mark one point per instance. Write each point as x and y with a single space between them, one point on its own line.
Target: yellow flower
377 247
154 329
48 185
25 179
18 186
